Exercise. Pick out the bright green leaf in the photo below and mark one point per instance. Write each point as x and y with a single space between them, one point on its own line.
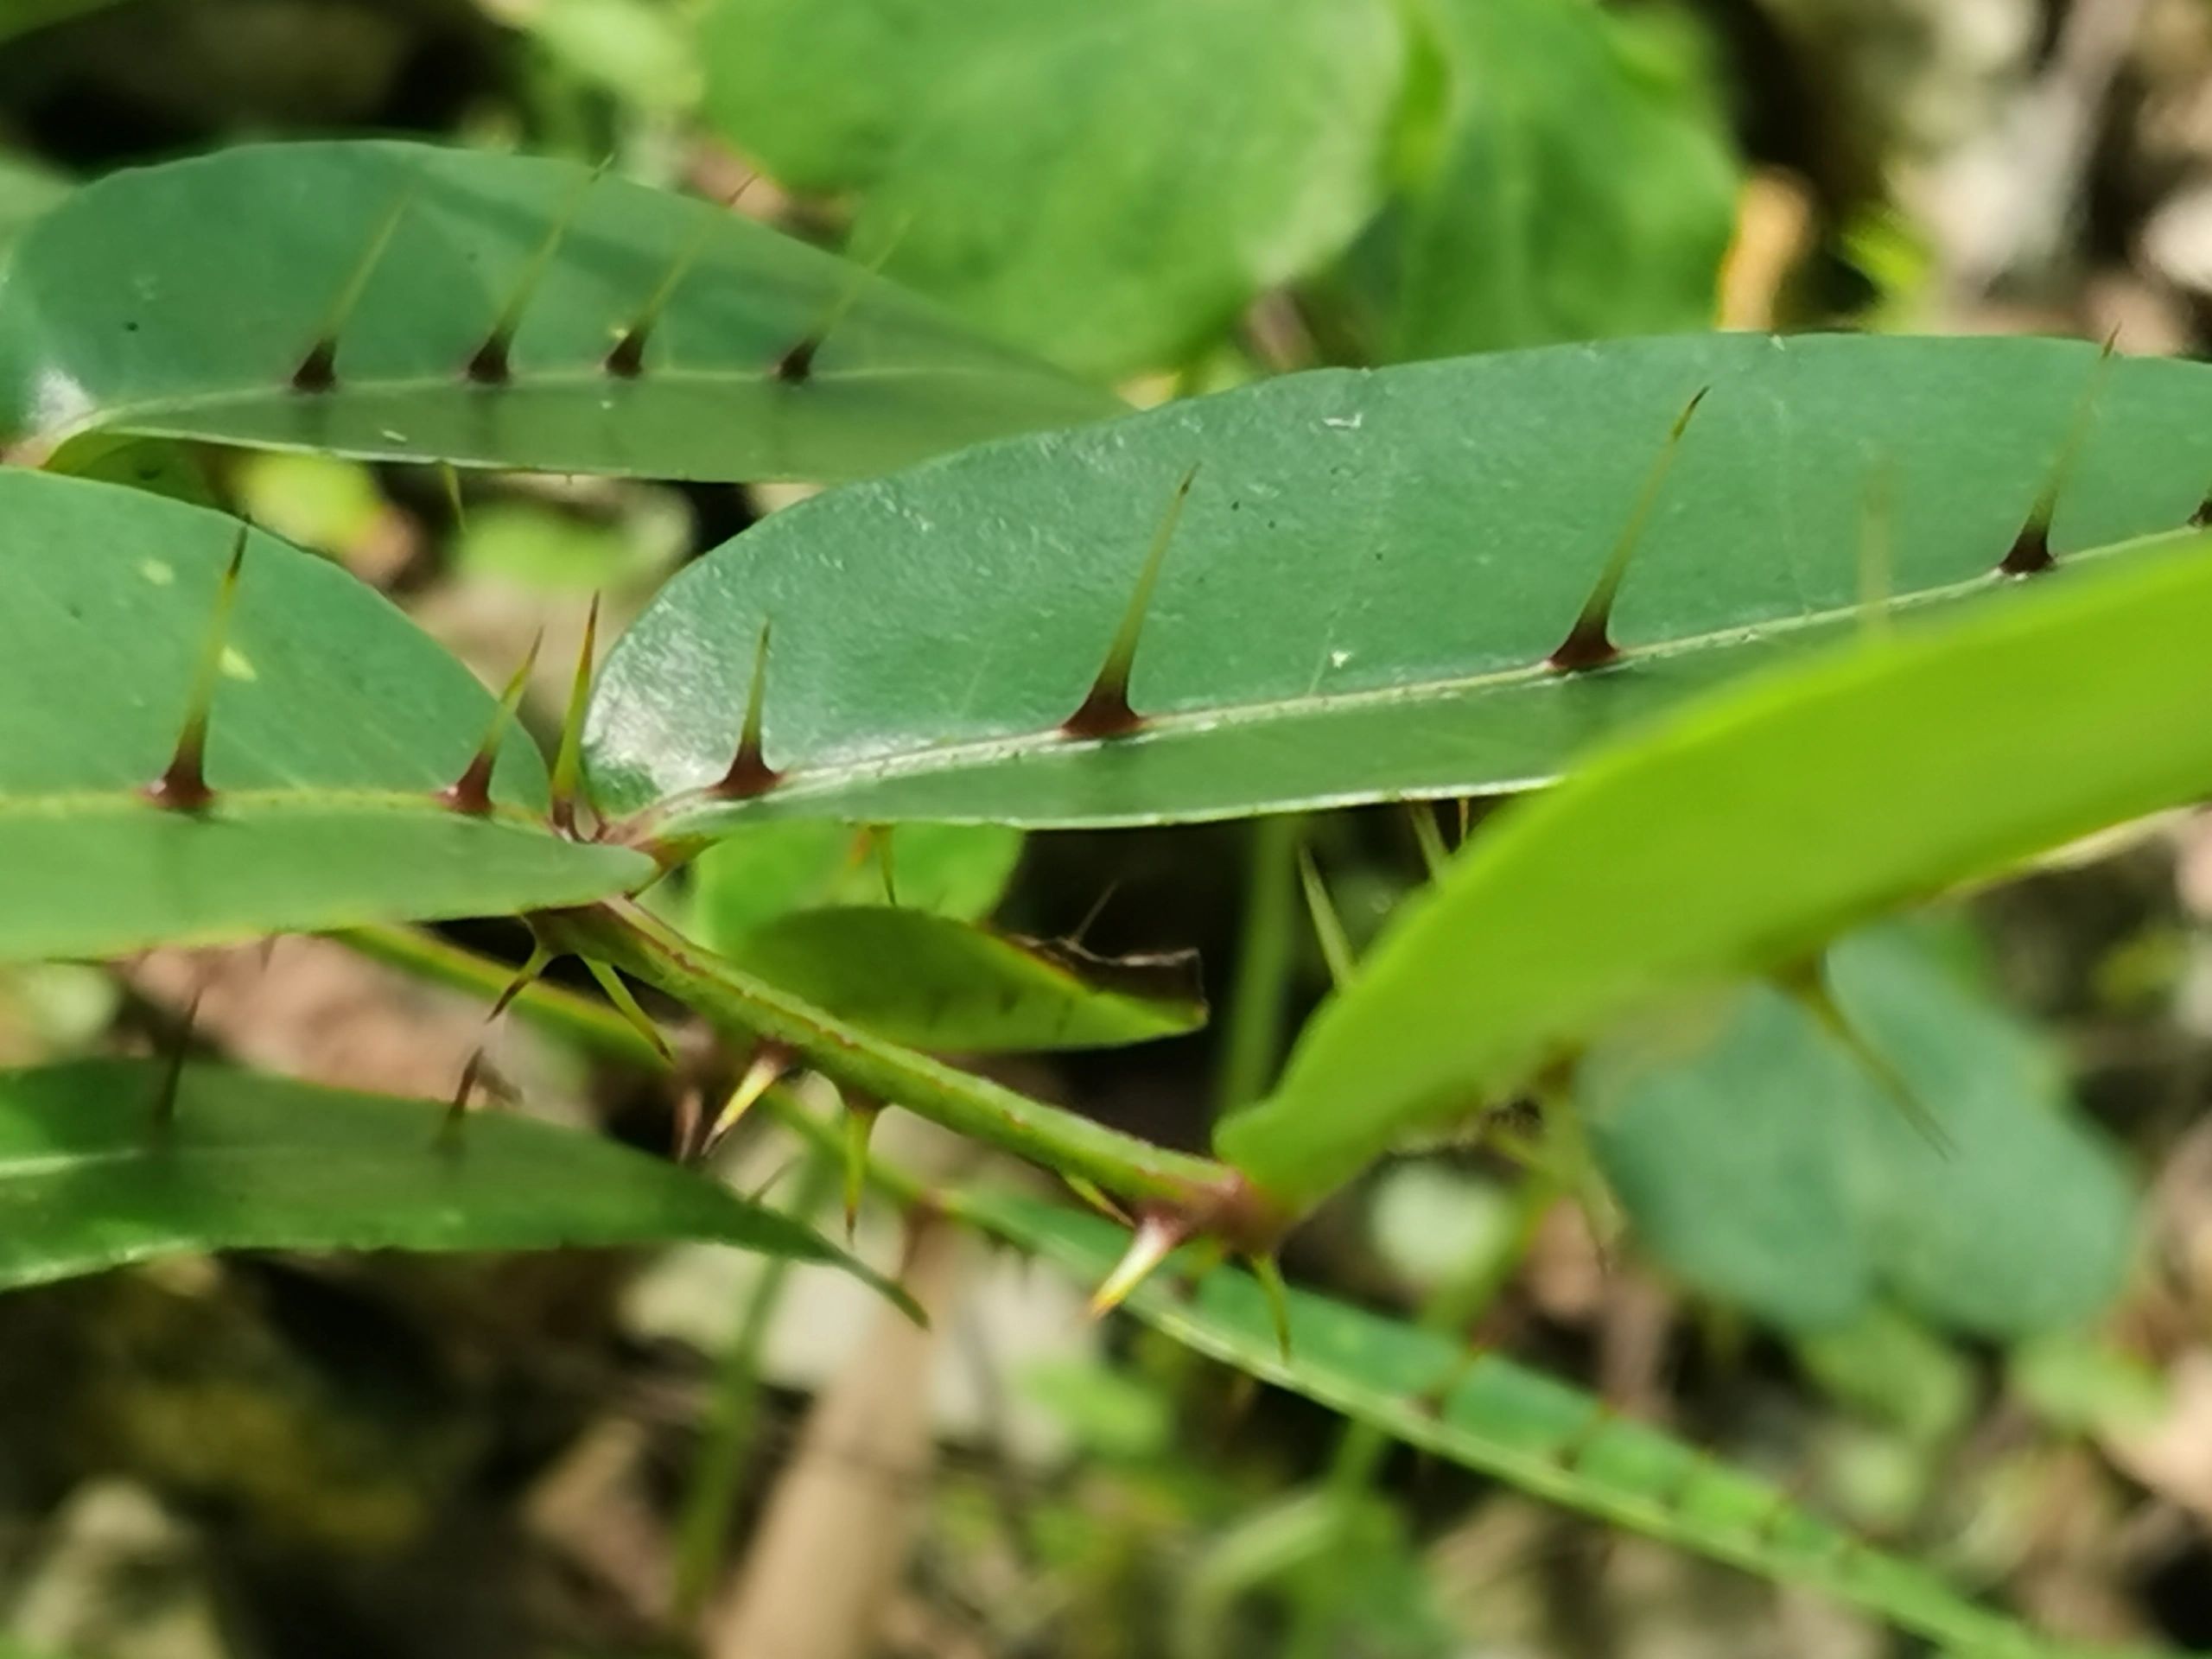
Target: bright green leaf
334 722
210 344
89 1180
1739 836
932 983
1369 574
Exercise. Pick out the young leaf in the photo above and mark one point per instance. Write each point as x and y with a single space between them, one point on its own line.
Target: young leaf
1736 837
91 1178
1541 1436
397 301
1084 180
333 725
1370 578
1769 1166
932 982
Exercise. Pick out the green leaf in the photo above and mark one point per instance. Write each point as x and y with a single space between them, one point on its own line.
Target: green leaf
1086 181
934 983
258 249
1370 574
1576 145
1482 1410
334 720
1737 836
766 870
1773 1167
89 1179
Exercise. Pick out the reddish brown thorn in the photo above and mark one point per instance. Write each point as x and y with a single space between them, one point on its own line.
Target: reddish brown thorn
490 367
163 1115
1105 710
183 787
2201 519
2031 554
1589 643
749 773
569 760
457 1108
318 370
796 366
627 361
471 793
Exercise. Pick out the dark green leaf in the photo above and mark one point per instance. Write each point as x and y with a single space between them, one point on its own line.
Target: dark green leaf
1370 576
256 249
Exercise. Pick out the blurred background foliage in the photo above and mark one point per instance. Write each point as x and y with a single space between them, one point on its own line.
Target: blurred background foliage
1999 1360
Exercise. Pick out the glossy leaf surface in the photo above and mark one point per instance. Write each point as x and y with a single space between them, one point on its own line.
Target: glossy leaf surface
1369 577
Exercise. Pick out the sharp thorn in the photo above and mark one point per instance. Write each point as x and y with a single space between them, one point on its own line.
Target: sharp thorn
859 1129
1090 917
183 787
1159 1232
1090 1191
491 365
2031 553
163 1116
685 1146
1589 643
1328 926
794 367
471 793
1105 711
1267 1272
771 1063
627 360
528 974
626 1006
749 773
569 760
318 369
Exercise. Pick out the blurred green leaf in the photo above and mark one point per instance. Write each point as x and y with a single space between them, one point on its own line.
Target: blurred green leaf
932 983
538 546
1107 186
27 189
436 247
642 51
1736 837
89 1180
1894 1370
1582 185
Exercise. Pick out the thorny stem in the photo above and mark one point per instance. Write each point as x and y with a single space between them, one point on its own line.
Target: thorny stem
1214 1198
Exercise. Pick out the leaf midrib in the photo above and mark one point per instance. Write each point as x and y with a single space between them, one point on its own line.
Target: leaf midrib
275 802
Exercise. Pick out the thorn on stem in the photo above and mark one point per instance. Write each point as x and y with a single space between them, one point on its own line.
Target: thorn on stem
490 365
1159 1232
771 1063
1105 711
861 1114
626 1006
163 1115
1589 642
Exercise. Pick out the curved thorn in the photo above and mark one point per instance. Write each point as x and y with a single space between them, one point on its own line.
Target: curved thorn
626 1006
1589 643
318 370
456 1114
771 1063
1105 711
471 793
2029 554
1159 1232
1268 1272
749 772
183 785
490 367
1428 837
569 760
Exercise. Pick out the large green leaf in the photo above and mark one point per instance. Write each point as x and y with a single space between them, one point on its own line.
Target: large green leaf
1369 576
1576 145
1771 1166
1553 1441
91 1178
187 300
1739 836
334 722
1108 185
932 982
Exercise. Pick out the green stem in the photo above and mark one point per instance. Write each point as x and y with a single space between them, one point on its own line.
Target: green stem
702 1532
1257 999
592 1026
737 1004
